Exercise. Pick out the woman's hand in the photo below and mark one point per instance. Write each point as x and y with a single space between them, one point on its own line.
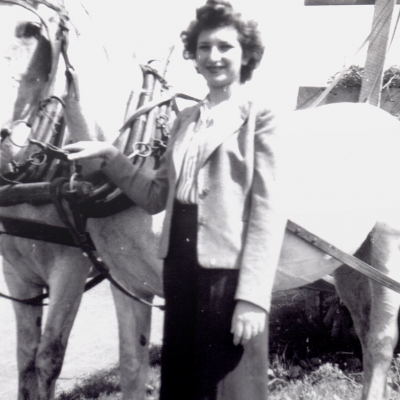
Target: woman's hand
91 149
247 322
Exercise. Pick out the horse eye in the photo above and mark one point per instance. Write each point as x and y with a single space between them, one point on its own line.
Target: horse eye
28 30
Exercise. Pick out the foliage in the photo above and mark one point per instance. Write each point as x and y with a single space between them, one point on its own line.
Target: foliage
353 77
306 362
295 337
312 381
327 381
104 384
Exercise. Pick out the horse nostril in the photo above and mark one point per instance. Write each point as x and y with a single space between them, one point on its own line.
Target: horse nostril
4 133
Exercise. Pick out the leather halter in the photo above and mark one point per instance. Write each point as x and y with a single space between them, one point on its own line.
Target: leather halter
74 232
46 116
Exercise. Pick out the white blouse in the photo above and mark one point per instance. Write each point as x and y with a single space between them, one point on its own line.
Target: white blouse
186 191
219 115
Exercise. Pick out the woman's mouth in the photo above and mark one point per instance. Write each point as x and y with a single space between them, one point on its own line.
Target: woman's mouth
215 69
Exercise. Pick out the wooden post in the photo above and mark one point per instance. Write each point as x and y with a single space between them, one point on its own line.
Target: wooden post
373 70
340 2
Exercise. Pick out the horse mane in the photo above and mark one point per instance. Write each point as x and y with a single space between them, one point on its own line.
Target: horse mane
106 83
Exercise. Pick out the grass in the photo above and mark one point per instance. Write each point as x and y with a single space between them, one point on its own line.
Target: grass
104 384
309 361
287 382
328 381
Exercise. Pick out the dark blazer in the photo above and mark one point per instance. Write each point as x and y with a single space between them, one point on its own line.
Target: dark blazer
240 225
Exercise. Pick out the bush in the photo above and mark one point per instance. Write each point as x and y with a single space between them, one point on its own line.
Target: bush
353 77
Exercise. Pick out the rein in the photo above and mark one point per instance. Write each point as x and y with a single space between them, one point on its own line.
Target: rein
38 300
144 134
83 241
38 181
47 123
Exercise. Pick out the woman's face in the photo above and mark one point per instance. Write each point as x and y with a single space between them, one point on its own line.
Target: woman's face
219 56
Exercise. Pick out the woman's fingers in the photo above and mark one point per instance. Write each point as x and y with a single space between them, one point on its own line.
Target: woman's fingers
247 322
242 333
90 149
247 333
237 333
79 150
78 146
80 154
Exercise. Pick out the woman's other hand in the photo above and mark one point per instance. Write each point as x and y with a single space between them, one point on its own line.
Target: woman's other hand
247 322
91 149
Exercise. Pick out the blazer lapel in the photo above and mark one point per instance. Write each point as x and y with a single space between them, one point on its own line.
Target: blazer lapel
224 125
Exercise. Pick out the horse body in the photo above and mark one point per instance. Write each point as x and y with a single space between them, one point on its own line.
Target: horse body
340 180
339 177
31 265
336 164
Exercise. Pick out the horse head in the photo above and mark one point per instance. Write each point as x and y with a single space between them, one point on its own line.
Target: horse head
33 37
44 51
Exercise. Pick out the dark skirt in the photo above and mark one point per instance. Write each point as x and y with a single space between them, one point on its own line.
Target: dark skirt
199 359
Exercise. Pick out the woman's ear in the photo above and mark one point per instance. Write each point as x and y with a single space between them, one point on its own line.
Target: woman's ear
195 65
245 60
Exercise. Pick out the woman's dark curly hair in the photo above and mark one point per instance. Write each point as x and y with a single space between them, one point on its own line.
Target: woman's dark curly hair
220 13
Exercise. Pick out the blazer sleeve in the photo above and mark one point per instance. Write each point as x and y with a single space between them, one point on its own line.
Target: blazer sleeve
146 187
266 227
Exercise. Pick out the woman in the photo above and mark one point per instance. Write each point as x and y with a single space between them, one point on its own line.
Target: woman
223 230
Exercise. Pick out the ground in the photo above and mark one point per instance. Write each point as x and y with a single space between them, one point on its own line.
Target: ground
93 343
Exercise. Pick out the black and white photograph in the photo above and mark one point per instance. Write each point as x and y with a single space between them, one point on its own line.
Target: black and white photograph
199 199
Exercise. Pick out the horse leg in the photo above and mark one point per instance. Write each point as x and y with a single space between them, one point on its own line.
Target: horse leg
66 289
134 320
28 321
374 308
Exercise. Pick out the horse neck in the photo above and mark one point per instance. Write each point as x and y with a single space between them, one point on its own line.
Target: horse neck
106 81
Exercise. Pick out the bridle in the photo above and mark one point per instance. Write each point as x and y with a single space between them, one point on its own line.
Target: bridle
49 118
95 196
45 121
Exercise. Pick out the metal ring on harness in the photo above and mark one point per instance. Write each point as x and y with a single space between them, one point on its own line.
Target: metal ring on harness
44 102
10 132
38 158
141 153
162 119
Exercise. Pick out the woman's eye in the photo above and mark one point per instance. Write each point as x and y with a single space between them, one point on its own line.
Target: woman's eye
225 47
203 47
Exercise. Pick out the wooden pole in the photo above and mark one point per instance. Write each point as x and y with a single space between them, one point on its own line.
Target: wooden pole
373 70
340 2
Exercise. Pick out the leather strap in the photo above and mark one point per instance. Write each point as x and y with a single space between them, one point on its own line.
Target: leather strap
29 229
343 257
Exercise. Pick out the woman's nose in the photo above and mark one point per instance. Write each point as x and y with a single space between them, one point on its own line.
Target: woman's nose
215 54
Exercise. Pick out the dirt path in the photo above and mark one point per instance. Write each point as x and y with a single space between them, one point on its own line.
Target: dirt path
93 343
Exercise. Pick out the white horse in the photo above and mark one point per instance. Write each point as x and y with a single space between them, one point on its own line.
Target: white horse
33 265
340 179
